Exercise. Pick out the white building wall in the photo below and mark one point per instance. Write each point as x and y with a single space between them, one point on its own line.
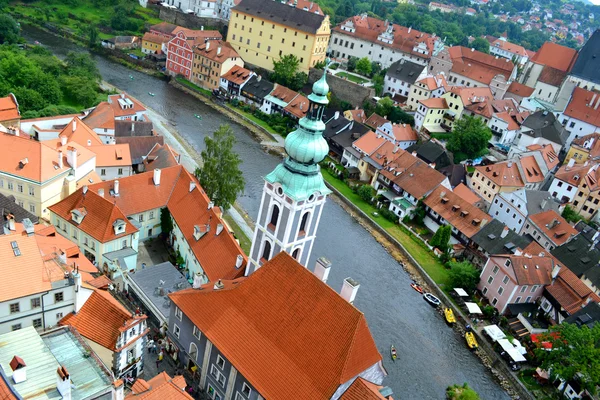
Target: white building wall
576 128
512 215
110 173
562 190
545 92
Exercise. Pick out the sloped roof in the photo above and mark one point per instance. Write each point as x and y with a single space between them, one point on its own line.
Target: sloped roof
434 102
555 56
140 146
544 124
572 175
258 87
101 215
154 38
431 152
419 179
529 270
362 389
114 155
479 66
570 292
8 205
128 128
283 321
406 71
164 27
508 46
216 50
552 76
160 387
237 75
101 319
490 239
283 14
467 194
555 227
101 117
77 131
161 157
502 174
298 106
520 89
369 142
375 121
9 109
588 62
458 212
578 255
582 107
118 111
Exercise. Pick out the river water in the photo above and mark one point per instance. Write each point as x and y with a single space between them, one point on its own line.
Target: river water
431 355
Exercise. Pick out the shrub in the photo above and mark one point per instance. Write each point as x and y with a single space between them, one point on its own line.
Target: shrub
389 215
366 192
488 311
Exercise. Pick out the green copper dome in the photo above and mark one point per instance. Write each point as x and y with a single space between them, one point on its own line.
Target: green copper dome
300 174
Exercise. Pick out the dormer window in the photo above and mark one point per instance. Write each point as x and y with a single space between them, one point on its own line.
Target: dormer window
78 214
119 226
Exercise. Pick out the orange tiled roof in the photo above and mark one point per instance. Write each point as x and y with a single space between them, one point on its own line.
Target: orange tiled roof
358 115
584 106
505 116
237 75
589 142
322 344
41 162
398 164
112 155
434 82
519 89
113 100
101 215
552 76
404 132
463 191
161 387
556 56
592 177
458 212
362 389
386 152
510 47
154 38
531 170
50 244
375 121
478 66
9 109
570 292
502 174
101 319
161 157
572 175
419 179
78 132
405 39
369 143
102 117
101 282
473 95
5 392
298 106
548 154
283 93
530 270
553 226
435 102
218 51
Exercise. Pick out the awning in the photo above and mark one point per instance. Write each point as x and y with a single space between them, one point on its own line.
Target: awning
519 347
461 292
511 350
473 308
494 332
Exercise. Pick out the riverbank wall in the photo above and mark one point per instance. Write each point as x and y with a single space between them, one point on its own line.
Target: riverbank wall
488 356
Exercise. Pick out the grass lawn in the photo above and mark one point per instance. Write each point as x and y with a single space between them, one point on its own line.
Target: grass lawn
413 245
470 169
191 85
353 78
245 242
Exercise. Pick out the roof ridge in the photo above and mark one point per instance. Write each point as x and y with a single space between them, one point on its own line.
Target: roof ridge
345 367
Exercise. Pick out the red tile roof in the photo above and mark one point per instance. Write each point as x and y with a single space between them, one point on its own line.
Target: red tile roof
458 212
510 47
375 121
101 215
555 56
528 269
9 109
161 387
404 133
101 319
112 155
572 175
78 132
555 227
584 106
405 39
363 390
298 106
532 172
434 102
478 66
570 291
419 179
237 75
552 76
466 194
113 100
502 174
218 51
101 117
548 154
5 392
358 115
519 89
283 321
154 38
369 143
589 142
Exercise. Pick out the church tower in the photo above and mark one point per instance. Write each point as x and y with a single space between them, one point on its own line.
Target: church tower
294 193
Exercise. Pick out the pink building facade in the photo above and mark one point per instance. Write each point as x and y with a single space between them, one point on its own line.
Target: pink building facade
180 56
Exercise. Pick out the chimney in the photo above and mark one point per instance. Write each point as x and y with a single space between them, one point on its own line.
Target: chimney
504 232
63 140
518 252
197 280
555 272
239 260
543 204
322 269
219 285
63 382
19 369
118 390
218 50
60 159
219 229
192 185
210 205
202 28
571 163
349 289
79 296
73 157
101 192
156 177
258 78
116 187
11 223
207 45
74 124
336 115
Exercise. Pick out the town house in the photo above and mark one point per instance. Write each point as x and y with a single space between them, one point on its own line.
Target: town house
581 256
556 60
549 229
213 59
234 80
494 238
426 87
513 208
120 107
400 77
328 348
503 48
584 149
581 117
10 116
180 50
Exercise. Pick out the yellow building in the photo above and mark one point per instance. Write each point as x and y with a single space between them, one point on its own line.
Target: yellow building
586 148
489 180
213 59
263 31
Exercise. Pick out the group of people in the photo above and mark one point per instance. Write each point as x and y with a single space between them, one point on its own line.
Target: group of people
153 348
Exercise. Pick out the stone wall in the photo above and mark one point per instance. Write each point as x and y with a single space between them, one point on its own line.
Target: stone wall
190 21
343 89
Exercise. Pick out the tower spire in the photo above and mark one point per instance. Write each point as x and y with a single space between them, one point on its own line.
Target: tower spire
294 193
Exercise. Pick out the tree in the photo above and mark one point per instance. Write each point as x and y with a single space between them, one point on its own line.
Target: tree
363 66
80 89
469 138
575 354
400 116
9 30
463 275
375 68
463 392
441 238
570 214
220 174
93 36
298 81
82 64
481 45
351 65
166 223
366 192
285 72
384 107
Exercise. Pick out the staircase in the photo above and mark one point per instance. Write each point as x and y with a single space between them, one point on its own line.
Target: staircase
517 327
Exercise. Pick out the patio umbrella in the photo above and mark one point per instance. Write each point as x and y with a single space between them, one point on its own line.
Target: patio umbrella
461 292
473 308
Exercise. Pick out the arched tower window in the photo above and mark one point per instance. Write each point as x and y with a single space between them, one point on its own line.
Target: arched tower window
266 254
303 223
296 254
274 217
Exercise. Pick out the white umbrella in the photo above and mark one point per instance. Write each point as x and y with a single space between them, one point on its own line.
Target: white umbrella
473 308
461 292
494 332
511 350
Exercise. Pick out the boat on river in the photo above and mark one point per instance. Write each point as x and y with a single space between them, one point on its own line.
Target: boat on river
198 116
449 314
416 287
471 341
393 353
151 94
431 299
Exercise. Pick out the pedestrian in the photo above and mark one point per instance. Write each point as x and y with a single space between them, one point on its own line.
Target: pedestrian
150 345
154 348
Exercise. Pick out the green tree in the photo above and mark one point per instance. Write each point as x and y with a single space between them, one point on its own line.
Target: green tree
469 139
9 30
363 66
463 275
93 36
441 238
463 392
384 107
366 192
166 223
481 45
220 174
285 72
79 89
298 81
400 116
375 68
82 64
29 99
575 353
351 65
570 214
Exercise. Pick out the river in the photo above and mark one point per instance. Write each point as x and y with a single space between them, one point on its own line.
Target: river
431 355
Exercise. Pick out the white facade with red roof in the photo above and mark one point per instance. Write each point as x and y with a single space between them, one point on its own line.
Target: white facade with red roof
503 48
426 87
581 116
